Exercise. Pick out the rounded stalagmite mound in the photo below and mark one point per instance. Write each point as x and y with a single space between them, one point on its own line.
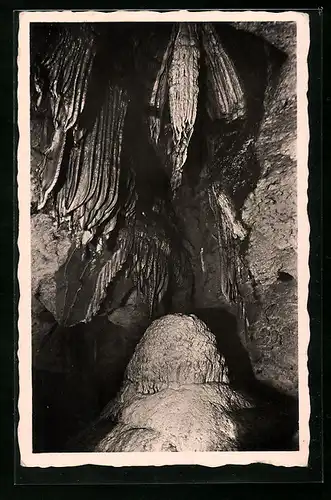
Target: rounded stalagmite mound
176 396
196 417
176 349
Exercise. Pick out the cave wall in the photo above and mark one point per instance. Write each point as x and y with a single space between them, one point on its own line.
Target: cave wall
271 213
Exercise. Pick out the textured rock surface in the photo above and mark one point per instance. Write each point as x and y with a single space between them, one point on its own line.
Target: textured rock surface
271 209
192 418
175 350
49 249
175 398
273 345
271 213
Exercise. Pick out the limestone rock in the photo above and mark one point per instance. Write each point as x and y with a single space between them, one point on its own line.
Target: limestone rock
270 212
175 350
175 398
197 417
274 338
49 250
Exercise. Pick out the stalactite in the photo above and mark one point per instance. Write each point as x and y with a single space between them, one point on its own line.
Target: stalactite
183 95
91 188
174 98
158 97
150 271
110 270
176 90
96 193
226 96
68 67
230 232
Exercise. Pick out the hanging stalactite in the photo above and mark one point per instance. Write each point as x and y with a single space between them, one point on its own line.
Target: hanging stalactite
67 67
230 234
225 97
175 93
158 98
89 196
150 271
96 198
109 271
183 96
174 98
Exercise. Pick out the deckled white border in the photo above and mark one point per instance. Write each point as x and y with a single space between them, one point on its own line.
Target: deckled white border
214 459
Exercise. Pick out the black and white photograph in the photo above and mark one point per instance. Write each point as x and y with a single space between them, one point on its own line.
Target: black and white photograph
163 238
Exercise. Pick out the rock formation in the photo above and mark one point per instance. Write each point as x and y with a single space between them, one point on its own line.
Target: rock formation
271 213
176 396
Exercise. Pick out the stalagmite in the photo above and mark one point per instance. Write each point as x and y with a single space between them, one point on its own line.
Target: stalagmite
176 396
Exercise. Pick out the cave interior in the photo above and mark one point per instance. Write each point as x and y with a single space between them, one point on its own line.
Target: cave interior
169 244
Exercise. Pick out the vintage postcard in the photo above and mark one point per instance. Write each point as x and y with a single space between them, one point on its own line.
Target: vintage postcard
163 238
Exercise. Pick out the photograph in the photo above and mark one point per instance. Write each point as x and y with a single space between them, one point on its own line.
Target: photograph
163 238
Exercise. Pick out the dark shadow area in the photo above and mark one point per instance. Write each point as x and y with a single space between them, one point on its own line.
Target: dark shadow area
285 277
89 362
272 425
223 324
